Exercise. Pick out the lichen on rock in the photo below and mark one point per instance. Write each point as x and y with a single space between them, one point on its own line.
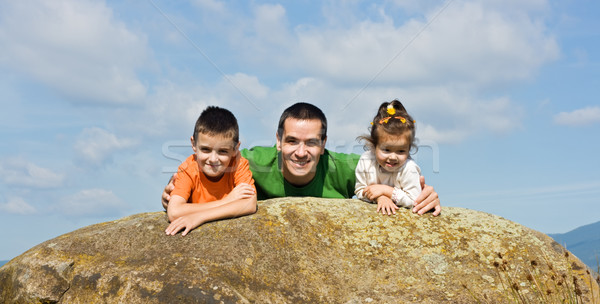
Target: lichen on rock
299 250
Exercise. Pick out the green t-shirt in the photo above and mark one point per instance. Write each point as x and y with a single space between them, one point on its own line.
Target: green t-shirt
334 177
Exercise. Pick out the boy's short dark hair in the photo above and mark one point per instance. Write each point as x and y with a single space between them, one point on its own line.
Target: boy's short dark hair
303 111
215 121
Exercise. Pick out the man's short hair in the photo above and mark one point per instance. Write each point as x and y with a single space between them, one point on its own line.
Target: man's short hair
215 121
303 111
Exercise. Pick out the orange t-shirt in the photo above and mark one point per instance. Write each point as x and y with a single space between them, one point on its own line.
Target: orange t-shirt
195 187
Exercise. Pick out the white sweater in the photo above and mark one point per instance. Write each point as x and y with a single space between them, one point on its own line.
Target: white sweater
405 181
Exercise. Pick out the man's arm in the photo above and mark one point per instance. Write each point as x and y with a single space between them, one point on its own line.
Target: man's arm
427 200
166 195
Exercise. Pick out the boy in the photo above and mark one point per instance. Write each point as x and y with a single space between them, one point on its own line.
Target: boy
215 182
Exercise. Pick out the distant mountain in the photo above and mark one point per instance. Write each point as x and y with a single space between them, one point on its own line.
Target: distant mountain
2 263
584 242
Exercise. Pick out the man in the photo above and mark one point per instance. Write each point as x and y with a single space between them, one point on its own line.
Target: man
299 164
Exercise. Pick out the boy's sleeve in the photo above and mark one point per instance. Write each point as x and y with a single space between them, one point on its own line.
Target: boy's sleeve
183 183
243 173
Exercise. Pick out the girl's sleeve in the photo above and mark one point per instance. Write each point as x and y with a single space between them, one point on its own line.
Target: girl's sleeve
361 173
407 186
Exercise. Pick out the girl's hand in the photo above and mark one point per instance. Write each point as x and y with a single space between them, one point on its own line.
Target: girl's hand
386 206
372 192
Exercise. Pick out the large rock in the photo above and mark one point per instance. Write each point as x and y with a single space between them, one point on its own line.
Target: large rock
301 250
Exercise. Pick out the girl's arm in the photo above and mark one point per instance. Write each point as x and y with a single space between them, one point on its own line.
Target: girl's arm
407 186
362 177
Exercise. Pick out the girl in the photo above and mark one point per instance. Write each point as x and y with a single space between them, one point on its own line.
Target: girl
385 172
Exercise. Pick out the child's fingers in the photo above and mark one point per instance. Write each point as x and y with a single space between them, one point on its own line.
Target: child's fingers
174 227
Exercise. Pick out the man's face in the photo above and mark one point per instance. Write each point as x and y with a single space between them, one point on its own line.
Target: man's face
301 147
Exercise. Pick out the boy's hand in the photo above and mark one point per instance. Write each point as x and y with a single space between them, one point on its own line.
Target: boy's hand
372 192
241 191
166 195
427 200
386 206
188 222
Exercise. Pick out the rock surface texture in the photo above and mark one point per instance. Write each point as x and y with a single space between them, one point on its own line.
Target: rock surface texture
296 250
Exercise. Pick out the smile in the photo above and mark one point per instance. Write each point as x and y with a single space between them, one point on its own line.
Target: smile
299 163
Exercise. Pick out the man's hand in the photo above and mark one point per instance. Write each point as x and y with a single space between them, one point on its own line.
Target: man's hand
166 195
427 200
386 206
372 192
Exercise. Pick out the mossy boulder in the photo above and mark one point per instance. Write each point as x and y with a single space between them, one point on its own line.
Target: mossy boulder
301 250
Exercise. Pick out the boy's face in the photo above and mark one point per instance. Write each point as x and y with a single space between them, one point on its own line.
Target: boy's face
213 154
301 148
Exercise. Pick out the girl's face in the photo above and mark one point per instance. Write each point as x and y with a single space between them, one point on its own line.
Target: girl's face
392 151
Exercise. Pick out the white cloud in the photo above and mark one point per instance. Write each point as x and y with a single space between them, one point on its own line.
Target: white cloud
241 84
469 48
585 116
91 203
448 74
468 42
96 145
22 173
17 205
77 48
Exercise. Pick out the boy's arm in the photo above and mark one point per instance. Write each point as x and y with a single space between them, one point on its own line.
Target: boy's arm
238 207
240 201
179 207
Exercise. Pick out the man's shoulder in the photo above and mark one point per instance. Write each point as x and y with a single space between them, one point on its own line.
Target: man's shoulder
337 156
258 150
260 155
340 160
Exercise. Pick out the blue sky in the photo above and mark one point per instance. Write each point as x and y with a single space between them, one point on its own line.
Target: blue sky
99 98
